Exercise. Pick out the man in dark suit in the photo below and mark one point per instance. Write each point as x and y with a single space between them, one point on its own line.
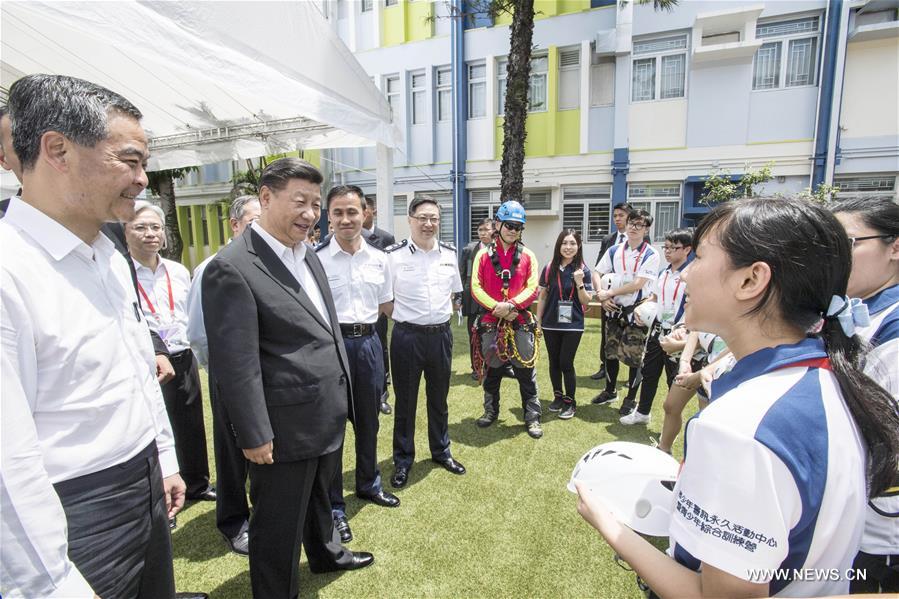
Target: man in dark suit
382 240
281 373
619 217
471 308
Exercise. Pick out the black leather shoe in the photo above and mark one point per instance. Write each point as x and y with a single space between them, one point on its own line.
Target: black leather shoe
207 495
382 498
451 465
400 478
385 408
239 544
343 528
361 559
599 374
626 407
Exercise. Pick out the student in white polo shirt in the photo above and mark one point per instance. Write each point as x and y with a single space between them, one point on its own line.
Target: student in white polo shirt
634 266
873 228
777 467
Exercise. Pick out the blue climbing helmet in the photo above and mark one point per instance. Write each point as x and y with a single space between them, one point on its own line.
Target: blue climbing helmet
511 211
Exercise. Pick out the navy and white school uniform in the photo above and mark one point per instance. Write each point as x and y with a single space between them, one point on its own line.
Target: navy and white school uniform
881 535
774 474
627 264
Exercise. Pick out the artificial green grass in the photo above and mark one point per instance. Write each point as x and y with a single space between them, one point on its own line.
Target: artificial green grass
507 528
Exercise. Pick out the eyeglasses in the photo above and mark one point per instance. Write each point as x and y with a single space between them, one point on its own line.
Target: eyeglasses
671 248
513 226
426 220
636 226
142 229
854 240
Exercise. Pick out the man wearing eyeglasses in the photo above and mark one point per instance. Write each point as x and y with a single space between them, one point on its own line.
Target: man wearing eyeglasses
425 277
633 266
668 292
504 282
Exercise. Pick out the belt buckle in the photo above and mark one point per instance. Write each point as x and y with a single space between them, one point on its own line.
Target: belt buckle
357 329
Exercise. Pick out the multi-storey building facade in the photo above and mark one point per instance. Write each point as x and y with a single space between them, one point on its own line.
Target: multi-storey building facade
625 103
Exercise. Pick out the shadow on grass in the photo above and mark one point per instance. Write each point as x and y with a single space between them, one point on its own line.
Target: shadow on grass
197 540
236 586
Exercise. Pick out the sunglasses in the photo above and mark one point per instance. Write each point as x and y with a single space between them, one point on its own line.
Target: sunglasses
513 226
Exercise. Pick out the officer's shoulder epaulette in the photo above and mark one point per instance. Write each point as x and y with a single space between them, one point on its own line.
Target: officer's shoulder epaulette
396 246
448 246
324 243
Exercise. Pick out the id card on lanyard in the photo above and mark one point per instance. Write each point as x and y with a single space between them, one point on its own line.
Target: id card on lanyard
668 312
628 277
565 309
161 328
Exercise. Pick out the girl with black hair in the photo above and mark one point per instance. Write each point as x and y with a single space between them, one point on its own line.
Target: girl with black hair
565 288
872 225
774 480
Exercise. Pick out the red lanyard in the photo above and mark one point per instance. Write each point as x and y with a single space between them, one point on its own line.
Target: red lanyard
676 287
168 280
636 260
559 283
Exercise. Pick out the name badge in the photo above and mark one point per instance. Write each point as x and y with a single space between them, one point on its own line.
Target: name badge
667 317
565 312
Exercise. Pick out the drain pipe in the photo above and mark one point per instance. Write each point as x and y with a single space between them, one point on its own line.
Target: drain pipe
460 125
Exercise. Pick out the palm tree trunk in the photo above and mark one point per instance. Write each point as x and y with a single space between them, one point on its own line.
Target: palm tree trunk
516 105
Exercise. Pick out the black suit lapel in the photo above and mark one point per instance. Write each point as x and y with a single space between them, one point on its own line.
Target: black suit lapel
270 264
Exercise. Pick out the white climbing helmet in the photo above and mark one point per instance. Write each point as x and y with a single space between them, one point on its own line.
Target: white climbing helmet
633 480
647 312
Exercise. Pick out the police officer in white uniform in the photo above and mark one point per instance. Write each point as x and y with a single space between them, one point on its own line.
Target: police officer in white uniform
425 276
359 278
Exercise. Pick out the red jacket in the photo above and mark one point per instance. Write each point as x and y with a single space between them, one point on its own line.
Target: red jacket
487 286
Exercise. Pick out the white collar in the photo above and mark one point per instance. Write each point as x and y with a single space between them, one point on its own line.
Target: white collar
415 247
334 248
51 235
298 251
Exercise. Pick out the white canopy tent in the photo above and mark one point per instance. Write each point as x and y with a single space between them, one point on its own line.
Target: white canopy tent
215 80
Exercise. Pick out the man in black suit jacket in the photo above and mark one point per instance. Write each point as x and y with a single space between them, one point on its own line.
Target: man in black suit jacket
281 374
471 308
382 240
619 217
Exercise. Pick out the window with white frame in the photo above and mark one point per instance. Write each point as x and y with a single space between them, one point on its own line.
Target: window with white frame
868 186
659 68
366 5
602 80
662 201
569 78
400 206
443 81
419 98
587 211
482 203
536 84
392 91
789 55
477 91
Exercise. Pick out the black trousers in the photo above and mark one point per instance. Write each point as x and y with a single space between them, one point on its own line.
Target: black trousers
561 347
655 360
602 341
118 529
184 403
381 329
232 512
882 573
291 509
416 352
527 386
367 379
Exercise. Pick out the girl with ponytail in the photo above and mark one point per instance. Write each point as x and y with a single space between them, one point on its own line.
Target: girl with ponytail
872 225
778 468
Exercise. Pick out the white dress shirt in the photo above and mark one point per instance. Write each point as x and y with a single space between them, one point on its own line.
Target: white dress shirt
79 390
629 263
359 282
295 260
196 326
168 320
423 283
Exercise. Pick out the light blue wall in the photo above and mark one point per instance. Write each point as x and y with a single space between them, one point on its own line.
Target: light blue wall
602 129
719 102
783 114
868 155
